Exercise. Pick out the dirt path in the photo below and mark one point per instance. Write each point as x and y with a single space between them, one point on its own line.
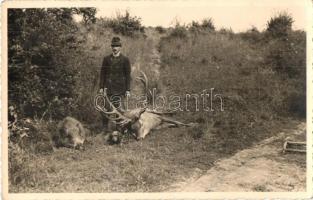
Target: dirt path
150 65
155 56
263 168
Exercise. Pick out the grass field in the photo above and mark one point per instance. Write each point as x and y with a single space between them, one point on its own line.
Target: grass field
151 165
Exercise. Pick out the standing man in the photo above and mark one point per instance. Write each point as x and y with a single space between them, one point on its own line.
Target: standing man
115 77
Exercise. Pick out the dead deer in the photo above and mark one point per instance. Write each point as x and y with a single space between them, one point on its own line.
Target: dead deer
139 121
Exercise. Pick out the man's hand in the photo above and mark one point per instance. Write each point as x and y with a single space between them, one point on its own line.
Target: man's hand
127 93
103 91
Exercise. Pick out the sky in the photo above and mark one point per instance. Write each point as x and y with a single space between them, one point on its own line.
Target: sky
239 15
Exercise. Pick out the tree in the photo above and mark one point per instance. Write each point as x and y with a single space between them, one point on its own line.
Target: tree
88 14
41 45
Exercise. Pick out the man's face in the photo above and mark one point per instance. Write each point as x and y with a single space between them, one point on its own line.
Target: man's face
116 49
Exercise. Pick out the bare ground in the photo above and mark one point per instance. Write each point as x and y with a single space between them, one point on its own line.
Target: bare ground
262 168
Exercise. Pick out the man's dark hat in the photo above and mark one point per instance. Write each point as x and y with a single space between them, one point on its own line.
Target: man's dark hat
116 41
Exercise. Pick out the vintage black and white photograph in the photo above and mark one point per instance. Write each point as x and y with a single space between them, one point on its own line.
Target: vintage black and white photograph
157 97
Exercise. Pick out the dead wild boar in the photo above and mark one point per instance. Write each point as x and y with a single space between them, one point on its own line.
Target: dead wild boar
70 133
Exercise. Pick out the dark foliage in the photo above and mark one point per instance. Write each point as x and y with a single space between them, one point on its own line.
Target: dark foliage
42 43
125 24
88 14
208 24
194 26
179 31
253 35
280 25
205 25
160 29
287 55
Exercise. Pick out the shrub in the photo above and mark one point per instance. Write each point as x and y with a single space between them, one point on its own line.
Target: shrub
160 29
253 35
280 25
18 169
296 103
27 139
126 24
287 56
194 26
179 31
25 169
207 24
227 32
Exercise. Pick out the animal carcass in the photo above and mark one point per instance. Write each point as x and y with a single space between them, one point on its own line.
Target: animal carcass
139 121
70 133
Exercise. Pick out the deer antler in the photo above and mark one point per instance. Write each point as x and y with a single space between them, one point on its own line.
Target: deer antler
114 115
144 79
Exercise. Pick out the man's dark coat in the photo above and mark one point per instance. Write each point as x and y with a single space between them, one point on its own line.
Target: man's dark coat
115 74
